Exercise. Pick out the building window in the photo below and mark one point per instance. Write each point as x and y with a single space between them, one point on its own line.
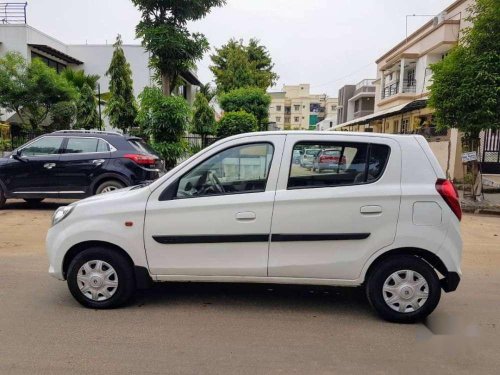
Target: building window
334 107
278 108
296 118
404 126
410 77
296 107
331 124
278 119
49 62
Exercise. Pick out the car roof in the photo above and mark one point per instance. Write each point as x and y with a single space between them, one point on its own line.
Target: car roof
89 133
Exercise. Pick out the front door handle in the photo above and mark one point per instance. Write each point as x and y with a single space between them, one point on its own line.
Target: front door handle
98 161
371 210
246 216
49 165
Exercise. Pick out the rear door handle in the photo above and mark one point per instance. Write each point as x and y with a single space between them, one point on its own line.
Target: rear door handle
370 210
49 165
246 216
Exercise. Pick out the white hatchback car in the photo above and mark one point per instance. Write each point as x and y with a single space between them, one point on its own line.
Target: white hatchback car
242 211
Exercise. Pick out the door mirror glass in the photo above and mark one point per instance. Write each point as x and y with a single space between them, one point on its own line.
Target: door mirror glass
41 147
240 169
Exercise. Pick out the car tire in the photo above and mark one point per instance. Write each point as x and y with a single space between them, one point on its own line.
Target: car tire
101 278
2 199
108 186
416 283
33 201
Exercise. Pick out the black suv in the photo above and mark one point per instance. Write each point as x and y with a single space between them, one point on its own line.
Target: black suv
76 164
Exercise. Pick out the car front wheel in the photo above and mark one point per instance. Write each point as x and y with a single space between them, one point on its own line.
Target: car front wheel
101 278
403 289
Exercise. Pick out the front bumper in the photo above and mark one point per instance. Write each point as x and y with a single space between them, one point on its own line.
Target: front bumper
450 282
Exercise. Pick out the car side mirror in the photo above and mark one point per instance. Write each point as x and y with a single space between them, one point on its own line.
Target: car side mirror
18 155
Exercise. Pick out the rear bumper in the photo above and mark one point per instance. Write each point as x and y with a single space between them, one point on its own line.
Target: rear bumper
450 282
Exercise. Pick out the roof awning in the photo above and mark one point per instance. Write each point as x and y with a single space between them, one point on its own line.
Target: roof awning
53 52
399 109
191 78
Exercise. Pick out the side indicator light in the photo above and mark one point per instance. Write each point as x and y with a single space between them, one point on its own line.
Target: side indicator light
129 224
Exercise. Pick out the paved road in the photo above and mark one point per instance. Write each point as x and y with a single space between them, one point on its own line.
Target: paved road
238 329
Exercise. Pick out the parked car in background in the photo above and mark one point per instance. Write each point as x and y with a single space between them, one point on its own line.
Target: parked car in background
308 156
331 159
235 213
76 164
297 154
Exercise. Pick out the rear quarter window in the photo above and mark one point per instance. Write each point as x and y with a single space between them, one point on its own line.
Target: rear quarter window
141 146
354 164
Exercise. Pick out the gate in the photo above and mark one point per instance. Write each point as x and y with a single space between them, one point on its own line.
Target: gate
490 151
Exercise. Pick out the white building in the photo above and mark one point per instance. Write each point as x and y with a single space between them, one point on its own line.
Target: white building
93 59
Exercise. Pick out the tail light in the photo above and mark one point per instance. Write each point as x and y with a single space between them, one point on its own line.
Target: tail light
141 159
450 195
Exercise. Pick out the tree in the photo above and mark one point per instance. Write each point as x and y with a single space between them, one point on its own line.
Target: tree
236 65
465 89
203 118
86 114
165 120
121 107
31 90
62 115
208 91
78 78
233 123
251 100
164 33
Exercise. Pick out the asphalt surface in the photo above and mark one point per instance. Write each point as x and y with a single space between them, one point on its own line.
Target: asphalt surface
238 329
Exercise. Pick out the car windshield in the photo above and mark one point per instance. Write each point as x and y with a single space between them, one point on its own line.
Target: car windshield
312 152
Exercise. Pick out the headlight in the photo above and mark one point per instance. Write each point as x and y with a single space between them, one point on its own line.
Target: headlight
61 213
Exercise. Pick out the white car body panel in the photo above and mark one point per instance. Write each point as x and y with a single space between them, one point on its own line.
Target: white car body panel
405 193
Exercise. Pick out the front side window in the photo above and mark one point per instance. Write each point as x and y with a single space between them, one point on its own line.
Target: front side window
337 164
85 145
240 169
43 146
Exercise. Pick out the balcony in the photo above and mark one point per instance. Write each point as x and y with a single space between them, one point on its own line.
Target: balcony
409 86
363 113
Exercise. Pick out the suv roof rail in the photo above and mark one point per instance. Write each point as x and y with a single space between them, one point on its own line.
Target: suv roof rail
88 132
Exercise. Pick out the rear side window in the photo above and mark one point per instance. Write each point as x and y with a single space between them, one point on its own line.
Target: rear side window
141 146
338 164
86 145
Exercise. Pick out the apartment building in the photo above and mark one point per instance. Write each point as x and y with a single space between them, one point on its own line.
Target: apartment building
296 108
16 35
402 86
356 101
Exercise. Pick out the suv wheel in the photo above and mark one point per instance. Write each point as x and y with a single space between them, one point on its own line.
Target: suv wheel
100 278
33 201
403 289
2 199
109 186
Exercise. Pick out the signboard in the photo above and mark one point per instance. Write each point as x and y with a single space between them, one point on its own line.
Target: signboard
469 156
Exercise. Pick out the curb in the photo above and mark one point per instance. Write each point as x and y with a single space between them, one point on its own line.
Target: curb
481 211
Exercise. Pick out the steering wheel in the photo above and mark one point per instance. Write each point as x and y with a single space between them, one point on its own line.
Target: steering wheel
209 181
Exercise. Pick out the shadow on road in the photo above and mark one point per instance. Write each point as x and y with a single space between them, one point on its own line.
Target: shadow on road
251 297
46 205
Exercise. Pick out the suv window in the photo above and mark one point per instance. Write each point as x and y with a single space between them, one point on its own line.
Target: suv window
86 145
43 146
338 164
141 146
240 169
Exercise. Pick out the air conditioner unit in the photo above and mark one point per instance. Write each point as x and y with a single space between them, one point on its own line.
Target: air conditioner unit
439 18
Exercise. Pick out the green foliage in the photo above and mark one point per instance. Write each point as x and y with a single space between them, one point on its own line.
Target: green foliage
78 78
251 100
233 123
86 114
203 118
62 115
208 91
466 84
31 90
165 120
164 33
121 107
237 65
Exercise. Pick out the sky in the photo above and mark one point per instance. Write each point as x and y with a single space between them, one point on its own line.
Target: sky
327 43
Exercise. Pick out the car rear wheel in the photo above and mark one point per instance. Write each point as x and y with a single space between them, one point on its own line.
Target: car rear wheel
33 201
101 278
403 289
109 186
